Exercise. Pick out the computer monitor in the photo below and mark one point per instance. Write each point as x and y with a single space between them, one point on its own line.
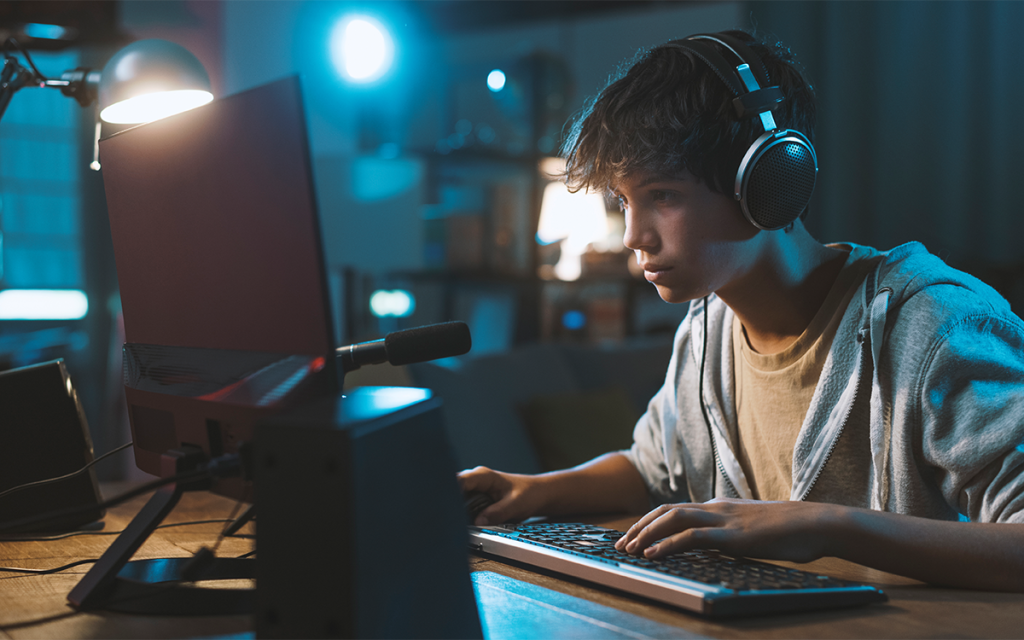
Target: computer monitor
226 307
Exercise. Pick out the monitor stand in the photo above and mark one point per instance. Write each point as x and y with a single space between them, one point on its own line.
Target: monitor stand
155 586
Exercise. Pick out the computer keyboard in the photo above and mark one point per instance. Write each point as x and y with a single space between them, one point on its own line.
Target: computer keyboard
703 581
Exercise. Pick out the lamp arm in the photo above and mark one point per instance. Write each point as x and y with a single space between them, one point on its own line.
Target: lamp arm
12 78
81 84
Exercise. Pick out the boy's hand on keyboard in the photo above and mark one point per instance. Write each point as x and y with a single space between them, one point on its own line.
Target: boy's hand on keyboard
794 531
516 496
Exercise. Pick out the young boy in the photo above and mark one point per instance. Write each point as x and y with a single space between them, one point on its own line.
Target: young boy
821 400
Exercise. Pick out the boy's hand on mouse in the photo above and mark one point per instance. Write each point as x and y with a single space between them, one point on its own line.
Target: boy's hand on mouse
791 531
516 496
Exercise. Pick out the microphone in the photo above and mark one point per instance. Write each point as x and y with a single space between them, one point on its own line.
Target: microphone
408 347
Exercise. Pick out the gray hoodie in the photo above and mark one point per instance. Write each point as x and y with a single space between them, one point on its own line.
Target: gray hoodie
919 409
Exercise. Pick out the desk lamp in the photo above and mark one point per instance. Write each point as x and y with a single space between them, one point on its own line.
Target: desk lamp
145 81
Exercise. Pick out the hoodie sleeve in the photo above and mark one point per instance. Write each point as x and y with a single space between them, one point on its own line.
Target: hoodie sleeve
972 416
655 437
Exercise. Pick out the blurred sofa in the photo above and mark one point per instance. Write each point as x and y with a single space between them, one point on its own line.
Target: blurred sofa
546 406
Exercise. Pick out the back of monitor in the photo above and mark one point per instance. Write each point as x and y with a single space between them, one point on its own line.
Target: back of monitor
221 270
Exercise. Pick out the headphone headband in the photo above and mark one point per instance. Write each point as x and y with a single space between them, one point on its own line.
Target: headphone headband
776 176
711 57
743 52
753 96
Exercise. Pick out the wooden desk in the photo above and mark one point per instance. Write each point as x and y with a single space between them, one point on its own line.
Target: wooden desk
515 603
29 597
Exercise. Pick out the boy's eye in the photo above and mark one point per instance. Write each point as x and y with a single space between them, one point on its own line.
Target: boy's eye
661 196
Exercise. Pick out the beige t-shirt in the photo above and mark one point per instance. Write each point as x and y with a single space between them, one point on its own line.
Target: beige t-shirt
773 392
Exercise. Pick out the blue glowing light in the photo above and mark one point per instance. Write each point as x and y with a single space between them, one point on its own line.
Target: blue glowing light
361 49
368 403
43 304
392 304
496 80
574 320
44 31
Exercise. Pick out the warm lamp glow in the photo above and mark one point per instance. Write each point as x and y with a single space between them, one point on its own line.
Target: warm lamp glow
577 220
149 80
153 106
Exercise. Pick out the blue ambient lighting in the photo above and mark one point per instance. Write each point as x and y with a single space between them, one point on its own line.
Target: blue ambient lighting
44 31
43 304
369 403
496 80
361 49
392 304
574 320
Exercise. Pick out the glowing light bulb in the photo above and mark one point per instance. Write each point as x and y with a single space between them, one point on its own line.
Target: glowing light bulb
394 304
361 49
496 80
153 106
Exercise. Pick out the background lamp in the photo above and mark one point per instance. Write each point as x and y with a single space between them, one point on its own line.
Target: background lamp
145 81
576 220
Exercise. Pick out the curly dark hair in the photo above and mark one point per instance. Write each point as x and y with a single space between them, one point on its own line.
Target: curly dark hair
670 112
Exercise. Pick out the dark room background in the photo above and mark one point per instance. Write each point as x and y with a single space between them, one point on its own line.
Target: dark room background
429 183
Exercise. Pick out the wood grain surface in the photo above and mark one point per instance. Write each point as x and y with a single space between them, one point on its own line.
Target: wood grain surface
27 597
515 602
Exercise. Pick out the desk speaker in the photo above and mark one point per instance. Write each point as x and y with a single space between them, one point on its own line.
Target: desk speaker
361 528
43 434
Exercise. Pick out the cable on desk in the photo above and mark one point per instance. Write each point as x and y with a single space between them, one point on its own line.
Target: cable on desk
222 466
71 534
69 614
67 476
124 497
99 533
203 558
225 465
42 572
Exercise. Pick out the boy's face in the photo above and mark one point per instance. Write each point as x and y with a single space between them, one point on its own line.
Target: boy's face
689 240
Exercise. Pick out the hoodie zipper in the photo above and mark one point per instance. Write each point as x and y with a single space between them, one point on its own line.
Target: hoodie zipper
846 418
730 489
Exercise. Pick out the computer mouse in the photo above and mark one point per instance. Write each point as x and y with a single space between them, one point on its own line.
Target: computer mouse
476 501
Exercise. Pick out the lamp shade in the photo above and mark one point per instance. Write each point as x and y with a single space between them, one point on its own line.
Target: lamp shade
151 79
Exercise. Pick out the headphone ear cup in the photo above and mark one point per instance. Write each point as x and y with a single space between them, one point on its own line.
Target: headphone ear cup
776 179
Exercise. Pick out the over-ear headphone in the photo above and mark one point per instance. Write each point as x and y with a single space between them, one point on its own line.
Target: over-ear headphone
776 176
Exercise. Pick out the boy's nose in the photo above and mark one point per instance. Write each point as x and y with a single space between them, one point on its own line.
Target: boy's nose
638 236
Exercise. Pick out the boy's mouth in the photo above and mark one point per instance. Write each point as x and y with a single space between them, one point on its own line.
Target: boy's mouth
654 271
